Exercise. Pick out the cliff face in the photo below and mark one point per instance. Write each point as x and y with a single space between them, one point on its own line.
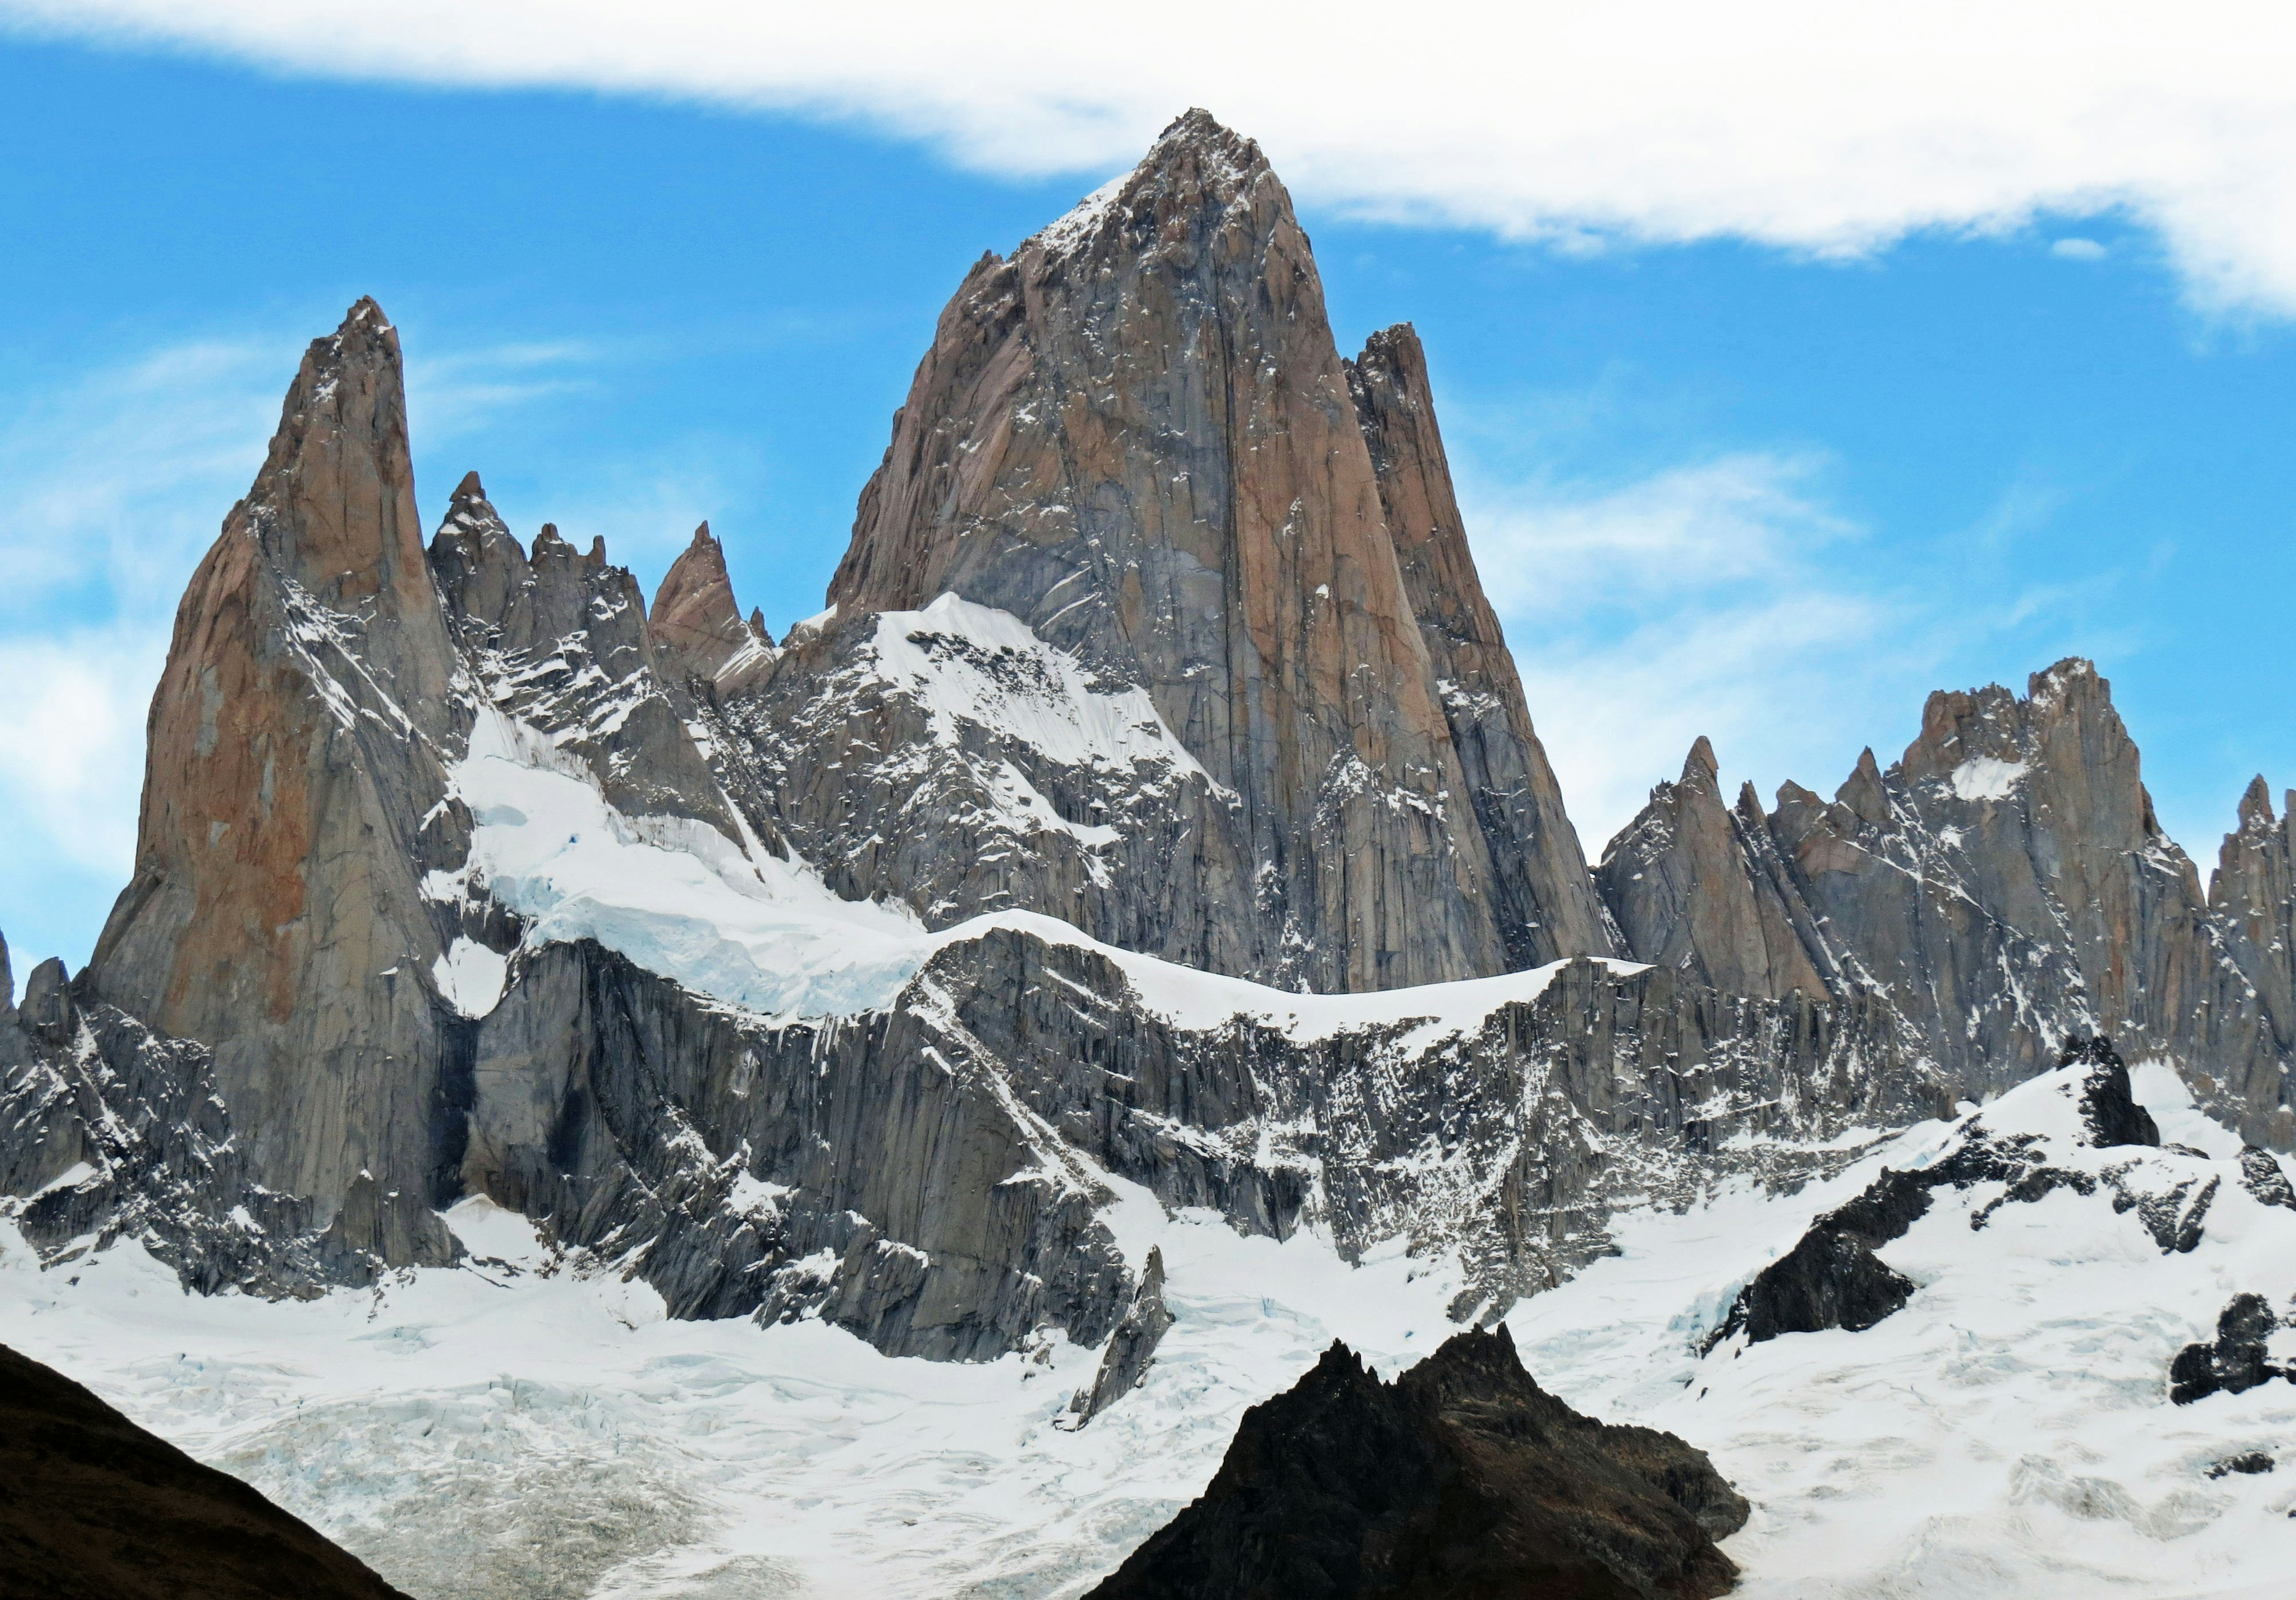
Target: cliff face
2001 888
1539 892
698 630
1159 650
1137 436
290 807
2253 895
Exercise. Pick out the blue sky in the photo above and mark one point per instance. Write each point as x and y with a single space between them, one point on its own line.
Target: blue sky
1723 477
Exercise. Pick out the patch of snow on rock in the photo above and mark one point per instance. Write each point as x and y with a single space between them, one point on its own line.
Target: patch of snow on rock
1986 778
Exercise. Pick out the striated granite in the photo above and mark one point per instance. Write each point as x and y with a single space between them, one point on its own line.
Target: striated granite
2001 889
1136 435
291 805
1539 890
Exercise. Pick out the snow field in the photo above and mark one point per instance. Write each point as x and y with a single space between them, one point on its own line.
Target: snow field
537 1432
528 1427
2007 1433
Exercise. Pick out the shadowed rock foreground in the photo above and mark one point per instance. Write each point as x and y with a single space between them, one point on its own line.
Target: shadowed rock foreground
92 1507
1461 1480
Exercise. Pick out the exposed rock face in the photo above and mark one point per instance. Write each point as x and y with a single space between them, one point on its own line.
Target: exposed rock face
1461 1478
291 806
699 634
2261 1177
1160 621
1137 436
1832 1278
2253 894
2237 1362
114 1131
1699 888
98 1509
1124 1366
1539 891
558 642
951 761
2002 888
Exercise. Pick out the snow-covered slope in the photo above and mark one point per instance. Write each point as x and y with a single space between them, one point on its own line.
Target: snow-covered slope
549 1432
2009 1432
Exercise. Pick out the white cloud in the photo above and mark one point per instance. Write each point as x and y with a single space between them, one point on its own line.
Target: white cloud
72 766
1804 124
2078 250
118 478
1548 548
1696 599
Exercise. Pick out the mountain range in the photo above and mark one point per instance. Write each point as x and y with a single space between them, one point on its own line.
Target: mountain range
1151 826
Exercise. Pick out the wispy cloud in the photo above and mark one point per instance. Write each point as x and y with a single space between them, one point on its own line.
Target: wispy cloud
1713 597
1554 548
1820 129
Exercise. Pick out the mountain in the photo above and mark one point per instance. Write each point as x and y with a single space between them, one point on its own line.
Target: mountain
1137 436
1146 864
98 1509
1463 1477
2001 888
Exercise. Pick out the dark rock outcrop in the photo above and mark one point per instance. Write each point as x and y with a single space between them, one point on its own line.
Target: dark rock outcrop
2237 1361
1131 1348
1832 1279
1462 1478
2261 1175
2109 1107
93 1508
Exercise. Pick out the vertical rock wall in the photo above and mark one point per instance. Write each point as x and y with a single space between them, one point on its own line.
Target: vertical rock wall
290 807
1136 435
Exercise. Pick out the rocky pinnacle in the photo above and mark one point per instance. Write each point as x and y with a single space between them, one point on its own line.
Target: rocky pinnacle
291 805
1136 435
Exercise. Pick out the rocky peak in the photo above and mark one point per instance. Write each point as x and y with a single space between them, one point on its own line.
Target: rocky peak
1691 885
334 507
47 1009
1195 163
291 805
2014 837
2253 894
1137 436
698 631
1699 769
1463 1477
481 572
1540 890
